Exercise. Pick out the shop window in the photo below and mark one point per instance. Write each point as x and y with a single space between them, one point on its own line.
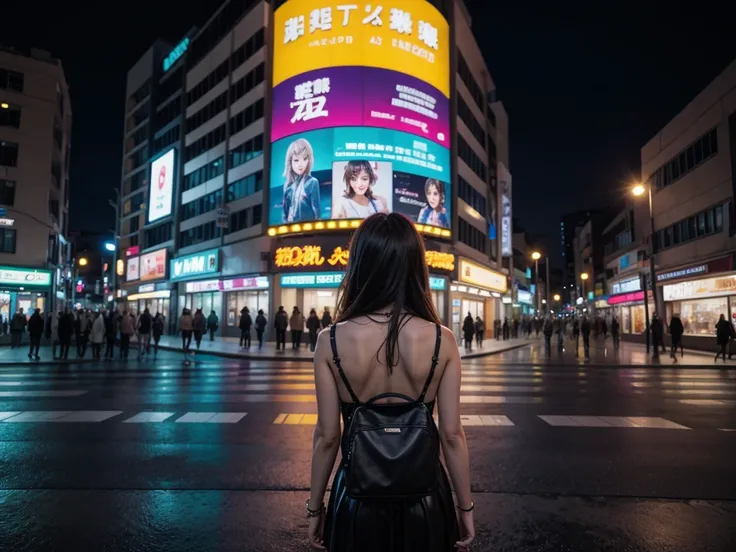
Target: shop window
699 317
7 240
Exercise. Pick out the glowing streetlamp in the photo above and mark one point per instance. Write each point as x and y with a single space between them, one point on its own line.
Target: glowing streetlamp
82 261
556 297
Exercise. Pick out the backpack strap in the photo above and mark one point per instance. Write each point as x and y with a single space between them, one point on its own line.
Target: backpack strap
336 360
435 360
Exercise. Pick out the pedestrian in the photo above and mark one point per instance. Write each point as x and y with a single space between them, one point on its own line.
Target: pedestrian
468 332
547 331
723 336
296 323
314 325
386 279
657 331
576 333
186 327
66 329
245 324
127 329
280 323
5 325
200 326
676 331
80 333
54 319
480 329
110 335
17 327
505 329
213 324
261 323
36 327
97 335
585 331
326 318
144 327
157 330
604 328
615 331
559 329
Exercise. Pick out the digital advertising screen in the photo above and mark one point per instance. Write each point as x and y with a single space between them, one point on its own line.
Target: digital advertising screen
161 187
361 113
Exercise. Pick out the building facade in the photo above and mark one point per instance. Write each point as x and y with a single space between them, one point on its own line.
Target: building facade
35 145
251 201
689 166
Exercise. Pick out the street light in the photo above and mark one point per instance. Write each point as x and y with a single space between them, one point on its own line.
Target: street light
583 277
536 255
4 105
556 297
82 261
639 190
110 246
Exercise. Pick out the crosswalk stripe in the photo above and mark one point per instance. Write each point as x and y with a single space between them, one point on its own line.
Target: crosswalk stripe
211 417
88 416
27 394
149 417
6 415
37 416
611 421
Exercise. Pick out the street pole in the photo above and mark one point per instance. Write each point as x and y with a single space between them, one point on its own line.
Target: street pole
653 255
536 285
546 285
116 240
643 278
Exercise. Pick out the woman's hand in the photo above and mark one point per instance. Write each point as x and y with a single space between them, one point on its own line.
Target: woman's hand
467 531
316 528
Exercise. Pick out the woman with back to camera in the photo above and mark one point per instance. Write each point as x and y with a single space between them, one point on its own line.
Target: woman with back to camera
382 367
358 200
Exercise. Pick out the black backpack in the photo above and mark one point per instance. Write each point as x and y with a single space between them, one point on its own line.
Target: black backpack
390 451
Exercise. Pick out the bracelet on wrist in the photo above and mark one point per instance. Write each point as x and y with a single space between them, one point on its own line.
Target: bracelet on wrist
314 513
472 507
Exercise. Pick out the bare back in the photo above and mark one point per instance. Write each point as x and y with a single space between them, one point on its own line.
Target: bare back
361 348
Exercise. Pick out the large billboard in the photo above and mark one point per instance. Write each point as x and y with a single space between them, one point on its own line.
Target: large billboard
361 115
161 187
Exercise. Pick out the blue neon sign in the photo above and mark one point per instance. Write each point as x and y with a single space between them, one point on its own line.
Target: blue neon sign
175 54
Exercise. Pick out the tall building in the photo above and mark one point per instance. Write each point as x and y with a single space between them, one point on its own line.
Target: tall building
690 168
35 143
245 141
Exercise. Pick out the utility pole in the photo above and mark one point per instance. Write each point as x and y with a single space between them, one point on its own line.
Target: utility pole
116 240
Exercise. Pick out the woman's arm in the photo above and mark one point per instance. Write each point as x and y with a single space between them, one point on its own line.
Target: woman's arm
326 441
314 197
452 435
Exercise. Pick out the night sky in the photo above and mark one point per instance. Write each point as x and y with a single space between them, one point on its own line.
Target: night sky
585 88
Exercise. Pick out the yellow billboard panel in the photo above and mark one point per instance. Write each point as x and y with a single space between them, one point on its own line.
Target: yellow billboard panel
408 36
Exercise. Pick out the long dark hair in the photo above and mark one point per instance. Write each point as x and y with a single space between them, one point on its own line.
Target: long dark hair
387 266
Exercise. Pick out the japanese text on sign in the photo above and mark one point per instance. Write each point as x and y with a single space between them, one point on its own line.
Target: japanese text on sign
311 255
310 99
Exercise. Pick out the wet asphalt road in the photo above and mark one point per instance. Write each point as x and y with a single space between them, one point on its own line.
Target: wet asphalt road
215 456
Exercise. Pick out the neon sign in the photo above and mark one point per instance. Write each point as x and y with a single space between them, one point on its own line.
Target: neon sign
175 54
311 255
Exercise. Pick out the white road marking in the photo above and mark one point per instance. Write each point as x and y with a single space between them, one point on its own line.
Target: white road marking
149 417
5 415
88 416
611 421
211 418
37 416
21 394
725 429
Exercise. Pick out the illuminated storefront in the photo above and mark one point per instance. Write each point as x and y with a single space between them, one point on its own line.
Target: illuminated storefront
308 272
23 288
477 290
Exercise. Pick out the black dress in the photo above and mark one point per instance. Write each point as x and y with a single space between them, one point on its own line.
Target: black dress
427 524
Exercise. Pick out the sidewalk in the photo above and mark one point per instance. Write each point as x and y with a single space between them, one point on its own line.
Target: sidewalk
229 347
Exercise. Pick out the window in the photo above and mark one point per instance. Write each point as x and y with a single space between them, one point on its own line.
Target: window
9 154
245 218
686 161
216 29
168 113
198 234
245 186
136 159
137 138
54 208
247 83
202 205
707 223
201 175
157 235
7 240
141 94
204 143
472 160
135 224
134 183
471 236
467 77
471 196
216 106
11 80
10 117
168 138
170 84
248 48
250 149
246 117
470 121
207 83
7 192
